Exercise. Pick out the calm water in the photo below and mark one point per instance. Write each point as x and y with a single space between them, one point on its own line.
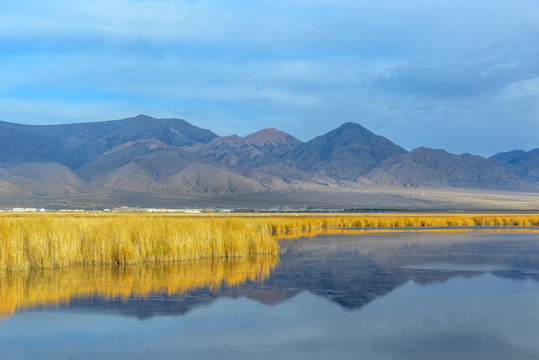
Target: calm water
472 295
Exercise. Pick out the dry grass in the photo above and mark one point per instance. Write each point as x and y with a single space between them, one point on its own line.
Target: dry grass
52 287
46 241
365 231
225 246
58 240
283 224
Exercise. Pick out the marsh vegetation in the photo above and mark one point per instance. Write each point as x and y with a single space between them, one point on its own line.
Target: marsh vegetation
59 240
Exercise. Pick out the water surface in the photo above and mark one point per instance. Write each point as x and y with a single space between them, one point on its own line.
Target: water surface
462 295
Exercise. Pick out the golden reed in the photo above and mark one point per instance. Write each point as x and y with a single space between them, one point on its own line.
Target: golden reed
47 241
225 246
58 240
52 287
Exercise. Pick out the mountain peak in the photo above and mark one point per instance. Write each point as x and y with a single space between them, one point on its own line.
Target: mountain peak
145 117
142 155
271 137
254 150
350 132
346 152
351 126
268 132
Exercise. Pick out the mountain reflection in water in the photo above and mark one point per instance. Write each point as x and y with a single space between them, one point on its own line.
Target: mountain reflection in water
346 269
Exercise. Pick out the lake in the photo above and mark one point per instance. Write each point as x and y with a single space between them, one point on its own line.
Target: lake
395 295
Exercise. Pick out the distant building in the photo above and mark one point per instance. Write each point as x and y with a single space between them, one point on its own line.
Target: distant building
24 209
163 210
192 211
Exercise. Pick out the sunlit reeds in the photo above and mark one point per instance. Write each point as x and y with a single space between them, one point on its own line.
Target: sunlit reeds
388 230
61 250
57 240
52 287
280 224
46 241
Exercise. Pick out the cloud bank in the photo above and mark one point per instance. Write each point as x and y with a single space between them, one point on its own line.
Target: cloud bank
454 74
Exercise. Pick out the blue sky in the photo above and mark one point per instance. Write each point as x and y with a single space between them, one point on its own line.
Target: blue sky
456 74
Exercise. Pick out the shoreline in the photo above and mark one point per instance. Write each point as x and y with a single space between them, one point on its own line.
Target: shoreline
36 241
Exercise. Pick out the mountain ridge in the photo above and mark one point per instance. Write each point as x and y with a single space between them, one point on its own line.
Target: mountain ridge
171 158
347 152
72 145
524 164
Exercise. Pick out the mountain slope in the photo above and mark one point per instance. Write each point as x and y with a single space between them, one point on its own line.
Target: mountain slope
524 164
73 145
149 158
254 150
38 187
47 172
151 166
7 188
431 167
347 152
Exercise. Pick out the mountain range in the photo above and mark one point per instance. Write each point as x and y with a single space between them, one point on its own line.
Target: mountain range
169 161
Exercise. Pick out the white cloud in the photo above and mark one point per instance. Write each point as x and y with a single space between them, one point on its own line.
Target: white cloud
303 66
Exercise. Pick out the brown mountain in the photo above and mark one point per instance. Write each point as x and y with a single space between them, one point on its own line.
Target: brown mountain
8 189
73 145
426 167
42 179
171 160
254 150
47 172
151 166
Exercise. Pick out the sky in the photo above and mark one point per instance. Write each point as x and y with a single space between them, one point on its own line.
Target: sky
462 75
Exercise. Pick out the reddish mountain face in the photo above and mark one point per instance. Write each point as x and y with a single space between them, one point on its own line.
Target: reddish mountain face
151 157
254 150
272 138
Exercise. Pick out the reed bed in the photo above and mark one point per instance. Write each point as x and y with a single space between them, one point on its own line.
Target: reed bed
366 231
52 287
58 240
48 241
284 224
